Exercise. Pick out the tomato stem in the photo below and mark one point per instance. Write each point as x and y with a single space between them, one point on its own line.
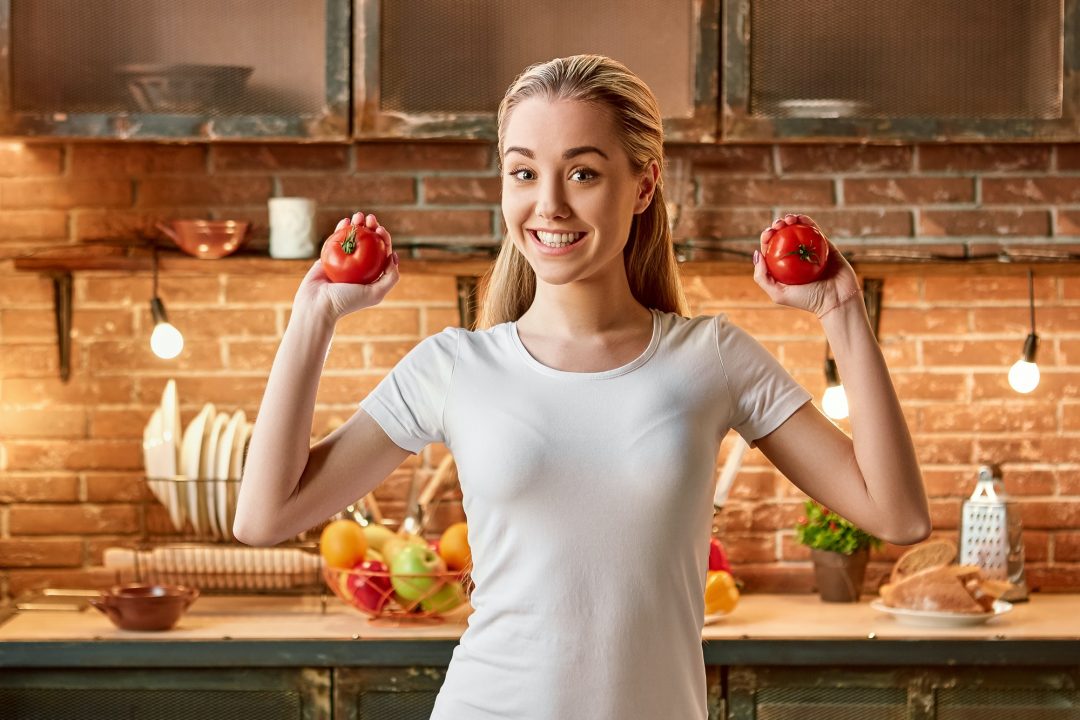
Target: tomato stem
804 253
348 245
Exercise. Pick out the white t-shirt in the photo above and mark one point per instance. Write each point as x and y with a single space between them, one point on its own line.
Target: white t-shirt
589 504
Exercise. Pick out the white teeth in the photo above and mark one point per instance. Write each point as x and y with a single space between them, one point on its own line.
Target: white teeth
558 239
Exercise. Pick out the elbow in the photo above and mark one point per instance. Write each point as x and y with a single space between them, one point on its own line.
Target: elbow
255 537
912 533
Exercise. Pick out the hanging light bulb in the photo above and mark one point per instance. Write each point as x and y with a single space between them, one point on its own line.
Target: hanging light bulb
166 341
834 401
1024 374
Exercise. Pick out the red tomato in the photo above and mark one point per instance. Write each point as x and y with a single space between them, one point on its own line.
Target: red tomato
796 254
354 254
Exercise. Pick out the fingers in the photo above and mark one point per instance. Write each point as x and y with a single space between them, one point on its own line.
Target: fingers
357 218
389 278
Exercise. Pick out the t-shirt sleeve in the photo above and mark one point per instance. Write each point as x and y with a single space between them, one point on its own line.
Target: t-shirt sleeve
408 403
762 393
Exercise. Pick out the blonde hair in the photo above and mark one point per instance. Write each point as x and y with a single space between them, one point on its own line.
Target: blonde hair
508 288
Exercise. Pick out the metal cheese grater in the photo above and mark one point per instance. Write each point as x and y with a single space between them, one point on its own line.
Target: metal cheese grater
990 533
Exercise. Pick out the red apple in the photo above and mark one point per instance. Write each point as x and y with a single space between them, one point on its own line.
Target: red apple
371 592
718 559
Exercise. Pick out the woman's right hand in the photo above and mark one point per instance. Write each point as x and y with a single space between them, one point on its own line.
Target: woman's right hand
339 299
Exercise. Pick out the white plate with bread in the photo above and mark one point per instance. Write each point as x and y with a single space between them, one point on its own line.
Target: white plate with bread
926 589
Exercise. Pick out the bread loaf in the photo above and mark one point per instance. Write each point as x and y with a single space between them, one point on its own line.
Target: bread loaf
938 589
930 554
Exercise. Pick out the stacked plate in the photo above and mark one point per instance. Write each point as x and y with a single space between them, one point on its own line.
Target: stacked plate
196 474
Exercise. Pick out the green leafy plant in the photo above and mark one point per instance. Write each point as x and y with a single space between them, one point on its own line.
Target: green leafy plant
822 529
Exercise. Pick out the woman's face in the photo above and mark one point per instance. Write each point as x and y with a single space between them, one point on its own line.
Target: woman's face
568 191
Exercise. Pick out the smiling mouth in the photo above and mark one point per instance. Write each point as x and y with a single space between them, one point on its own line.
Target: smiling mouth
556 240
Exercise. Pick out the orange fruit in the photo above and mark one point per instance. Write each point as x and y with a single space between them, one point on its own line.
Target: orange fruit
454 546
721 595
342 543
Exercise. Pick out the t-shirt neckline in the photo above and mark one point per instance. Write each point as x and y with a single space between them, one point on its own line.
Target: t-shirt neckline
637 362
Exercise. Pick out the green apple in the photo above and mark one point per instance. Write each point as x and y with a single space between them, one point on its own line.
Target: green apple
420 563
391 546
445 599
376 535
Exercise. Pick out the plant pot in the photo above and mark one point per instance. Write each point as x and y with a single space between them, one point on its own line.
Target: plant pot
840 577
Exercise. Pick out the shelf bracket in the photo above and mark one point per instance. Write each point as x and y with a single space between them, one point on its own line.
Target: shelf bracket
62 315
872 289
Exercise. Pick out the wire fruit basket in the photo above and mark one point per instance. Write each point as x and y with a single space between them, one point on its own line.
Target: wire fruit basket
383 595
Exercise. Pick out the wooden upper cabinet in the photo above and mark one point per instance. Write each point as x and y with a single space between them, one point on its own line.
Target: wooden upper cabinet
435 69
168 69
904 70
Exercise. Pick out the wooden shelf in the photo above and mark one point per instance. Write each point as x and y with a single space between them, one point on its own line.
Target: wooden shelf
136 259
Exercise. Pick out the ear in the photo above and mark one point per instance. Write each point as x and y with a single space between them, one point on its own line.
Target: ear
647 187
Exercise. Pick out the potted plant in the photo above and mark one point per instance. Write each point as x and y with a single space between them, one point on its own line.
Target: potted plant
839 550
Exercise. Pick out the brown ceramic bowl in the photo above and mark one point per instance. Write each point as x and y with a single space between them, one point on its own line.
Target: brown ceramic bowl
145 607
207 239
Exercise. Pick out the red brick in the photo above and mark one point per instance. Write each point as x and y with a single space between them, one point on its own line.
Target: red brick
1053 578
125 422
359 192
384 355
988 289
1018 416
21 581
1059 449
43 423
791 550
776 516
93 224
1055 514
24 324
78 390
1070 417
782 579
726 190
406 223
40 552
64 193
775 321
103 358
908 190
735 517
168 192
26 290
72 519
245 289
940 352
1068 222
966 157
905 321
104 159
437 319
1066 546
722 157
382 156
1036 546
118 487
19 488
251 354
29 359
19 159
1038 190
462 190
233 157
1068 481
945 514
1068 156
754 485
33 225
214 323
67 455
757 548
984 222
423 288
736 223
854 225
935 450
829 159
380 321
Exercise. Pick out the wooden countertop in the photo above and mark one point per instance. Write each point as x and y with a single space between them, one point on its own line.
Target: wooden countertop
787 629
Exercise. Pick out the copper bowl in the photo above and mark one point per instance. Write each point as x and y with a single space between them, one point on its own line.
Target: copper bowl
207 239
138 606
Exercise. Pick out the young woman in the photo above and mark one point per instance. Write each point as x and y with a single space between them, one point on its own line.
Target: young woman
585 417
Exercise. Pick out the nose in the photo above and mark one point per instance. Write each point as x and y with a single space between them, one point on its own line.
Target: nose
551 202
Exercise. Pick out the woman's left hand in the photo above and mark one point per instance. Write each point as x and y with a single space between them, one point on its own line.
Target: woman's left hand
836 284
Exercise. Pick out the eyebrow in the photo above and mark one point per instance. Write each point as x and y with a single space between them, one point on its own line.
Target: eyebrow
571 153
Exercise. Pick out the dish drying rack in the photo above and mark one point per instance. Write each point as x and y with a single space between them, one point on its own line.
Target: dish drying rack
207 557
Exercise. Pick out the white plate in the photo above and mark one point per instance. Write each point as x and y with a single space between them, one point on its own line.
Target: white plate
710 618
236 467
171 436
932 618
223 464
151 440
192 451
208 470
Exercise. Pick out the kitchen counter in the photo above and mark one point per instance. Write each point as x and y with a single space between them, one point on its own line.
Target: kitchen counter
254 631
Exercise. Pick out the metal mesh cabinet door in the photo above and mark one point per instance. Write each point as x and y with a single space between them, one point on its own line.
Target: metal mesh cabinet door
165 694
810 693
1009 694
395 693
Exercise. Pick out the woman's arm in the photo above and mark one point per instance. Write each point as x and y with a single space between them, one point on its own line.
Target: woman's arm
873 478
288 486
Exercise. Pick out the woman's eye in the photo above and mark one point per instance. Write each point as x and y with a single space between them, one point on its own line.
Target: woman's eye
520 174
583 175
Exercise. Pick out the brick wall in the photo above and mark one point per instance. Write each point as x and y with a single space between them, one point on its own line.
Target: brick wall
70 458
